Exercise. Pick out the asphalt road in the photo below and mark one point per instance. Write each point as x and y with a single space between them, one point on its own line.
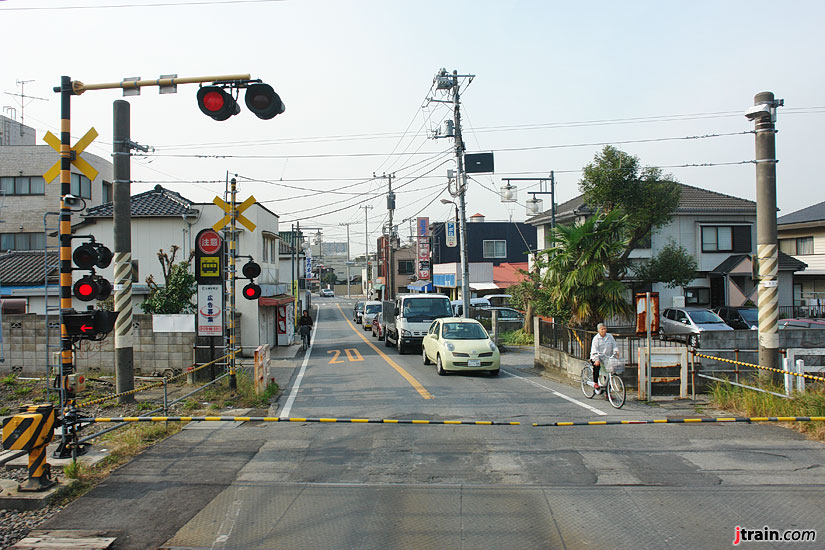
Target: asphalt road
309 485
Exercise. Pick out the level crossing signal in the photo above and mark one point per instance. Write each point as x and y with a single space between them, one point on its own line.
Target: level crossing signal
217 102
89 325
251 270
90 287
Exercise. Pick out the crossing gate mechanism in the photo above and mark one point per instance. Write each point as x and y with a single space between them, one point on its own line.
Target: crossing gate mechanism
32 430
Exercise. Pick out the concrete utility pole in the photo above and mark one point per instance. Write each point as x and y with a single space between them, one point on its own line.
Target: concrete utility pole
122 220
367 208
389 287
348 277
763 113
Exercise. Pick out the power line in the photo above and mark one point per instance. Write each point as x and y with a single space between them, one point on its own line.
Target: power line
157 5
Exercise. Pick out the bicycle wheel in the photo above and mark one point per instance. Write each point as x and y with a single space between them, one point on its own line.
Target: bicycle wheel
616 392
587 376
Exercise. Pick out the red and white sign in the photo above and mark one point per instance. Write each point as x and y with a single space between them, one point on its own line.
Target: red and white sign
209 242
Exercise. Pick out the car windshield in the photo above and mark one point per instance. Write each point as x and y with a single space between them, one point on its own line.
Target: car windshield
463 331
751 316
359 306
421 309
373 308
705 318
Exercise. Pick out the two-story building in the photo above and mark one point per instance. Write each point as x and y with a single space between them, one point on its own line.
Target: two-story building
718 230
802 235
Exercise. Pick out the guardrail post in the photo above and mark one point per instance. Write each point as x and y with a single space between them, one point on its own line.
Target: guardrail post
788 384
800 380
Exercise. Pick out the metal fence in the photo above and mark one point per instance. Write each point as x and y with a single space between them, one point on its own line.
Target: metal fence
576 342
795 312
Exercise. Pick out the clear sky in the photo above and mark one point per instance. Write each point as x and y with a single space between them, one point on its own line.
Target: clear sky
554 81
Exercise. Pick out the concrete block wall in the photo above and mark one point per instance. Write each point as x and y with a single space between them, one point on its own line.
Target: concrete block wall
24 347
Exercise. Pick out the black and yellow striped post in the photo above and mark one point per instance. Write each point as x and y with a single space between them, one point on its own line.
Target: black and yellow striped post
32 431
65 233
233 235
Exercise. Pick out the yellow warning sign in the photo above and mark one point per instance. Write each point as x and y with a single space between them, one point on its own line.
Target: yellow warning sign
85 168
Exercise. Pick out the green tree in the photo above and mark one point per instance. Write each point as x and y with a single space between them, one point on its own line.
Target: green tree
616 180
175 296
672 266
577 277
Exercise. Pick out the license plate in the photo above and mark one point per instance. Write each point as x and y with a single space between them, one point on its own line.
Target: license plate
474 363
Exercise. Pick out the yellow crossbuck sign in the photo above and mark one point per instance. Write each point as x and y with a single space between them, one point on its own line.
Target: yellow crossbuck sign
86 168
226 208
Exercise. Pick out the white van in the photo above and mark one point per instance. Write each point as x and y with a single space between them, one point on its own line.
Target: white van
458 305
408 318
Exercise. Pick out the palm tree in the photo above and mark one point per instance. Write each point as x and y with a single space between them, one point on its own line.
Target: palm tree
577 272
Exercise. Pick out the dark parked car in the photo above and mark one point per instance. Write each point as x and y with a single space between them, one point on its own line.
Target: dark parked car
739 317
801 323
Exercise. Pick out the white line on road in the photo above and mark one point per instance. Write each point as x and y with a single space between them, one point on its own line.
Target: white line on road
294 393
557 394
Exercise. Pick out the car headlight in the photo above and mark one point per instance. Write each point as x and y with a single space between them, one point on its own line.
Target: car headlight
492 346
405 332
449 346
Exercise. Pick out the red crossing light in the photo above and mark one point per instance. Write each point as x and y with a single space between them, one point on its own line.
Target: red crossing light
251 291
217 103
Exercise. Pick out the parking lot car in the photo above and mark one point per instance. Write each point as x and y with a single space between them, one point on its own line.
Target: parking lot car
801 323
378 326
739 317
371 309
327 293
358 311
690 323
457 344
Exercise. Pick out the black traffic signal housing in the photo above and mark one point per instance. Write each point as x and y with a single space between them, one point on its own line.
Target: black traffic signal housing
89 325
90 287
251 270
217 103
263 102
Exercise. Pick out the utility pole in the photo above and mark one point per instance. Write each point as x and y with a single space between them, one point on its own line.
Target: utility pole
444 81
348 277
367 208
763 113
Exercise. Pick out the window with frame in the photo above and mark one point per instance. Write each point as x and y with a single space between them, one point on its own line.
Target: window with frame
23 185
495 249
697 296
81 186
22 241
406 267
108 194
798 246
726 238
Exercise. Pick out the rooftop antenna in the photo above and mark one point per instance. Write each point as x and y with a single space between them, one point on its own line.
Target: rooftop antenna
22 95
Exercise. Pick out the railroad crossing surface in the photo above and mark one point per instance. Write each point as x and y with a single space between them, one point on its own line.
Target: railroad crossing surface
292 484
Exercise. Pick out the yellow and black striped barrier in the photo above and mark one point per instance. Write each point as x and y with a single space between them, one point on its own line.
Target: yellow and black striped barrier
32 430
709 420
153 384
617 422
293 419
780 371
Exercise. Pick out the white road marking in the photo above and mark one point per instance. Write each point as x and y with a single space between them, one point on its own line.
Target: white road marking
557 394
294 393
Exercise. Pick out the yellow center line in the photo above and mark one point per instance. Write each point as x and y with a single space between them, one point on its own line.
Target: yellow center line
407 376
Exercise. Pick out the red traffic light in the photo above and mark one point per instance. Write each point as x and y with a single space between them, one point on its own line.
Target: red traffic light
86 289
217 103
262 100
251 291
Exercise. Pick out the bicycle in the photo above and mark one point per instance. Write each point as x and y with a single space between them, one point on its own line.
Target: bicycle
611 382
305 332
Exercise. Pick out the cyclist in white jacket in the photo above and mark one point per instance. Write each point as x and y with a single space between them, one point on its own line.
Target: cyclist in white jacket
603 346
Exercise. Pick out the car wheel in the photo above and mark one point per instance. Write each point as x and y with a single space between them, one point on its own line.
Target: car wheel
494 372
424 358
400 345
661 333
387 342
693 340
438 367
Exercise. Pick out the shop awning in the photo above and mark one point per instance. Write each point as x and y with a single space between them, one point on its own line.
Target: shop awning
378 286
272 301
421 286
484 286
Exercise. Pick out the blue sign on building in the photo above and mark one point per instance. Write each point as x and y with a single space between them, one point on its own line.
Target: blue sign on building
444 280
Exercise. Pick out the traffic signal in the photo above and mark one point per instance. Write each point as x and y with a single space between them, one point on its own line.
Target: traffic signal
89 325
251 291
262 100
251 270
91 255
217 103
